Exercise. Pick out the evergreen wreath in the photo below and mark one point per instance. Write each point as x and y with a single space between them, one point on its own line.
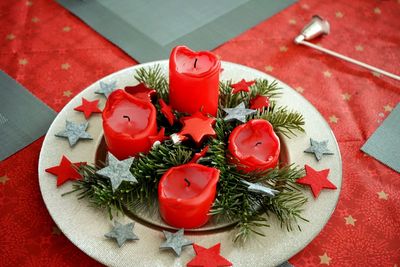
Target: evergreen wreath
250 210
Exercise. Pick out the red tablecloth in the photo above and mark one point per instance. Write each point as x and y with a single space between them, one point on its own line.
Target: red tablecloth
55 55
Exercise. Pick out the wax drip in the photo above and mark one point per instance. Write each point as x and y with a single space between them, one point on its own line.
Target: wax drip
187 181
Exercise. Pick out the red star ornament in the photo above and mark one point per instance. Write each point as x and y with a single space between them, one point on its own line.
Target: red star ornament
198 126
199 155
88 107
159 137
259 102
242 86
141 91
317 180
66 171
208 257
167 112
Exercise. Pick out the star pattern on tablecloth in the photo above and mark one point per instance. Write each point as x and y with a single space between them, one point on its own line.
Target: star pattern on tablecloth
23 61
327 74
299 89
122 233
339 14
383 195
377 10
66 29
349 220
106 88
35 19
10 36
283 48
4 179
175 241
333 119
28 3
269 68
65 66
346 96
325 259
292 22
359 48
388 108
305 6
67 93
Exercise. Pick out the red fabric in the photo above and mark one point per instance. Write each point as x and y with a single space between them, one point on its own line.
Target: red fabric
55 56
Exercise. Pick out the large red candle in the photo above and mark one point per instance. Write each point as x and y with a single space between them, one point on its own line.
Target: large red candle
254 146
127 123
193 81
186 194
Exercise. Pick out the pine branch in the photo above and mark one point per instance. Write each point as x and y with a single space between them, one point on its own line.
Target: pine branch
284 121
155 79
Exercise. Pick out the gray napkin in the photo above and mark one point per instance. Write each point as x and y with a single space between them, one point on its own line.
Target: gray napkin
384 144
23 117
148 30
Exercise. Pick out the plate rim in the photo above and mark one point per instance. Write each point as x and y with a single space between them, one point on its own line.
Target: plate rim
236 65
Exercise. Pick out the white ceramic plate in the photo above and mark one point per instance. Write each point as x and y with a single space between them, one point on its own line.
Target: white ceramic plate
85 226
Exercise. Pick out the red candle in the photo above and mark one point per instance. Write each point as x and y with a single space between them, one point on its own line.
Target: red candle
127 123
193 81
186 194
254 146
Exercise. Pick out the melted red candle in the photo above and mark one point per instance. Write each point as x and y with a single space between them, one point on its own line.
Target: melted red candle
254 146
194 81
186 194
127 123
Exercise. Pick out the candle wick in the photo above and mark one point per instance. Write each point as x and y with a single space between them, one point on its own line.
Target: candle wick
195 62
126 117
258 143
187 181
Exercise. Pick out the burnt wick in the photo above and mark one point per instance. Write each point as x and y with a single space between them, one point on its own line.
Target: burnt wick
195 62
258 143
187 181
126 117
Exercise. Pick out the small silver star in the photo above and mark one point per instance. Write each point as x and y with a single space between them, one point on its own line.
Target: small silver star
75 131
175 241
318 148
122 233
239 113
107 88
117 171
260 189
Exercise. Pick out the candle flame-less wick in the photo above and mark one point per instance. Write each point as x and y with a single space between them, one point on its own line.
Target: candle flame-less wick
195 62
126 117
258 143
187 181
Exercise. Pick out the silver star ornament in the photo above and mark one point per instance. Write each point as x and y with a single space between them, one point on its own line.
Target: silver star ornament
318 149
238 113
260 189
117 171
74 131
107 88
121 233
175 241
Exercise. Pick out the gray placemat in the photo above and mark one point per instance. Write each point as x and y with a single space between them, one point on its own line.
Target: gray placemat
384 144
148 30
23 117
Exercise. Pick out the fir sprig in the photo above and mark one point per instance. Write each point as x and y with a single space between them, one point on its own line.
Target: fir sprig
155 79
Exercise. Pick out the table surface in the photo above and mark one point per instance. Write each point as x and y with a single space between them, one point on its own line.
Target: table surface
55 55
